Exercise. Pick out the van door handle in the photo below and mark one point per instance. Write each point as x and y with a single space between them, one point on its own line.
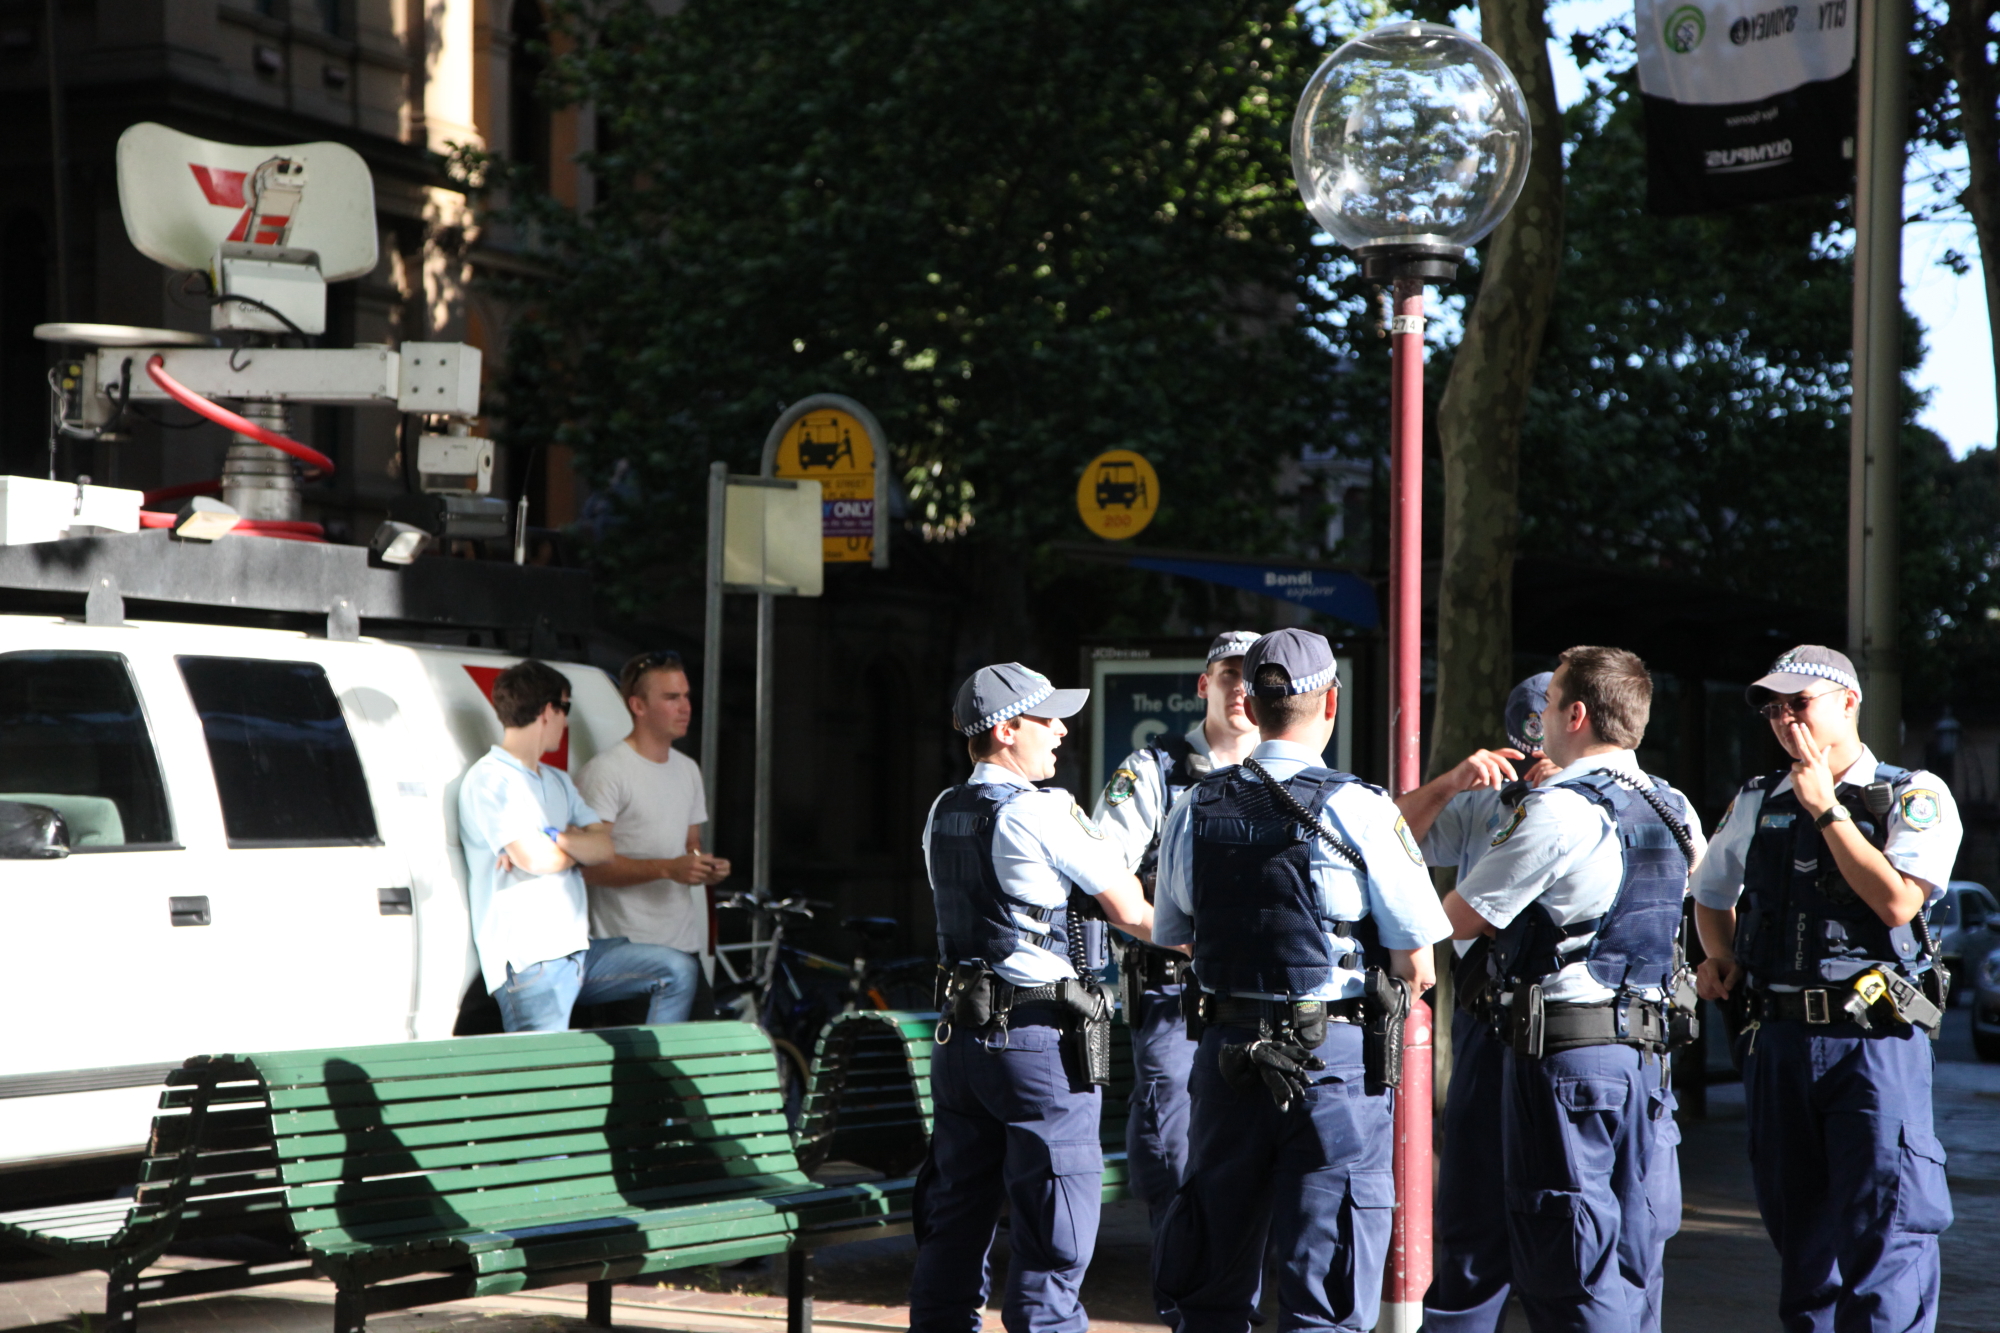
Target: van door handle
393 901
188 911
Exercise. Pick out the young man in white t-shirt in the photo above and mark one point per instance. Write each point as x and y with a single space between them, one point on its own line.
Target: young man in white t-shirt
651 795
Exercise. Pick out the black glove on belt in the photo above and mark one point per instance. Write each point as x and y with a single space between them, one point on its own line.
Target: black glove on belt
1281 1065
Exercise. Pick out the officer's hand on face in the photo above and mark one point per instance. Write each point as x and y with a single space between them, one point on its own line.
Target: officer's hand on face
1812 779
1283 1068
1716 977
1485 768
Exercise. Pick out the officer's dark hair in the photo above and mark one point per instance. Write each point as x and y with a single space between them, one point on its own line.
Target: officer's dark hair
1277 711
523 690
1614 689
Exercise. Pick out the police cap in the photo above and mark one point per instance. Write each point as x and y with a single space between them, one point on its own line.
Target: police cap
996 694
1799 669
1525 705
1306 657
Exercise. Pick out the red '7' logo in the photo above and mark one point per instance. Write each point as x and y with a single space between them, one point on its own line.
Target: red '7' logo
224 188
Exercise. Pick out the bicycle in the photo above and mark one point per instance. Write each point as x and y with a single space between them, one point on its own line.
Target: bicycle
792 992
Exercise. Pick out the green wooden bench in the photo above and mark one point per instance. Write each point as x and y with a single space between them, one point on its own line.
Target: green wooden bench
869 1101
433 1171
210 1169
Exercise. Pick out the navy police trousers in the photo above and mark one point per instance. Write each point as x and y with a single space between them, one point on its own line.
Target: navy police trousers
1472 1277
1315 1178
1156 1131
1593 1187
1850 1178
1008 1128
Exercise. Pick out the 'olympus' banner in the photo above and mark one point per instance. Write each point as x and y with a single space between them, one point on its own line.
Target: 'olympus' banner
1745 101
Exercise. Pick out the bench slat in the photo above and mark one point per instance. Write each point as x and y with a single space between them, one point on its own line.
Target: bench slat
752 1134
675 1077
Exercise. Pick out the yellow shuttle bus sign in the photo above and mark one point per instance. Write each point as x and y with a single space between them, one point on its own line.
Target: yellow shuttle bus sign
1117 494
832 447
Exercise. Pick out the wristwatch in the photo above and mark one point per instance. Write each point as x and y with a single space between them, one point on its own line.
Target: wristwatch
1832 814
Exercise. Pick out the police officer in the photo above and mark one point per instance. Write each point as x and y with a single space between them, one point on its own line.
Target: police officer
1131 812
1584 884
1455 818
1300 889
1812 898
1016 1112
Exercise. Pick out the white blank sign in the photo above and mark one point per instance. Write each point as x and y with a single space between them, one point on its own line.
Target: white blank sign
771 537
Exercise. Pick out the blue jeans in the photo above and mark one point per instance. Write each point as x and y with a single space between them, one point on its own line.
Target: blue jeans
539 997
1156 1132
1474 1270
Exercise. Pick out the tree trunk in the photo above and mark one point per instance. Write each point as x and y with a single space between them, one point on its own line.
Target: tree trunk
1965 39
1479 419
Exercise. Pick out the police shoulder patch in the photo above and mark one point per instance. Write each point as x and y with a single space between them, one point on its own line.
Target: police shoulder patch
1083 822
1119 790
1921 808
1520 813
1409 843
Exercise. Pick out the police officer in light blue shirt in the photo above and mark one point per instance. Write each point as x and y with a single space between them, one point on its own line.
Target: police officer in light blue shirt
1585 885
1016 1112
1132 811
1298 888
1455 818
1813 898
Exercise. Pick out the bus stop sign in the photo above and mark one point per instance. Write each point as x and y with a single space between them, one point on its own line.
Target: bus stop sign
1117 494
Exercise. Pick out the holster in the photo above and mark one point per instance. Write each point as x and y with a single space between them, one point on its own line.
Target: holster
1683 1012
1385 1011
1193 1015
969 1001
1526 1019
1087 1033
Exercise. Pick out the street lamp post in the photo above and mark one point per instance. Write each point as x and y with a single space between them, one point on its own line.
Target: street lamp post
1410 144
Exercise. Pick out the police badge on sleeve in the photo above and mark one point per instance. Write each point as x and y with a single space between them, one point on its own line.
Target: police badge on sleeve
1921 808
1409 842
1119 790
1520 813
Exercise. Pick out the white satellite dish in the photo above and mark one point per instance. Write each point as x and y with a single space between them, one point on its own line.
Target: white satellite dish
182 197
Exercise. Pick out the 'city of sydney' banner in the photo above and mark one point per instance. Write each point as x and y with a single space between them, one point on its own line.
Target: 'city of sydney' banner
1746 100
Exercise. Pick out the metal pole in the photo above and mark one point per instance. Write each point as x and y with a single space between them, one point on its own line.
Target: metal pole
1409 1275
1409 1269
1406 533
711 647
760 856
1875 417
59 150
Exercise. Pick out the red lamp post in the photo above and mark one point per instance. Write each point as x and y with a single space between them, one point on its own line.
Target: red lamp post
1410 144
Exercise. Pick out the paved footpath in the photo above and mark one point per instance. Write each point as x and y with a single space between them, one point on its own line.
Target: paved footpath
1721 1270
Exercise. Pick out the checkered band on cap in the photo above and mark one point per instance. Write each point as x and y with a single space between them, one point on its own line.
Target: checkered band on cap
1790 664
1318 680
1231 643
1011 711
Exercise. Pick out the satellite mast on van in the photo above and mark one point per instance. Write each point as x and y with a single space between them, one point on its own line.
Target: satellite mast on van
266 228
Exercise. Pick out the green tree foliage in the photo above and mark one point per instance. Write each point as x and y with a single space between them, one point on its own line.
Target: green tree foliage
1021 233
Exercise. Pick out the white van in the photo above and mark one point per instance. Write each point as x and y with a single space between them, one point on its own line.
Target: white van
264 856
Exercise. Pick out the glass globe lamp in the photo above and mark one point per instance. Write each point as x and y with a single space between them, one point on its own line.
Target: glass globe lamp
1410 144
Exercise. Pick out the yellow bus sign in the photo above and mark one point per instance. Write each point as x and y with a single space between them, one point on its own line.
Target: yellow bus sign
1117 494
832 447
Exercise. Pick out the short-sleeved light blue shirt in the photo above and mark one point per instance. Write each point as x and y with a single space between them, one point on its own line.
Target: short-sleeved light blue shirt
519 919
1396 891
1560 849
1924 848
1042 844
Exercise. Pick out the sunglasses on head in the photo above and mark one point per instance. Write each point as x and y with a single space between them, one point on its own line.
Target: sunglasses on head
648 661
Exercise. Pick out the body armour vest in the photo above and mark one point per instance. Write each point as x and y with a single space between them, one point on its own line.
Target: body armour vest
1174 757
1258 923
976 916
1798 912
1634 940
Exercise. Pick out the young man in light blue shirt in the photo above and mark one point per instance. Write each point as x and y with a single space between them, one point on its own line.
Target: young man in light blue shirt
525 832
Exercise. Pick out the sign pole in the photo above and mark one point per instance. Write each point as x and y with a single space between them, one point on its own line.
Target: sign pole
1874 418
711 647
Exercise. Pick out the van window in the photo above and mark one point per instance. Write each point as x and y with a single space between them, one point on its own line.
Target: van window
72 737
285 765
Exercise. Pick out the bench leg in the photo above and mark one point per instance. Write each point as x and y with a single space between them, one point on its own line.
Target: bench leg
597 1304
798 1292
121 1301
350 1309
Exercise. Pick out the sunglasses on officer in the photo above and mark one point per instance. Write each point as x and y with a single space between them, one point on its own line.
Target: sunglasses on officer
1778 709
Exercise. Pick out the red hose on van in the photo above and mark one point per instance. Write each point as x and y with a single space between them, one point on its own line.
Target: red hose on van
289 530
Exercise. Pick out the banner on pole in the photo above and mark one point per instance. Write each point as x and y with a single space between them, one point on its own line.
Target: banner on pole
1746 101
